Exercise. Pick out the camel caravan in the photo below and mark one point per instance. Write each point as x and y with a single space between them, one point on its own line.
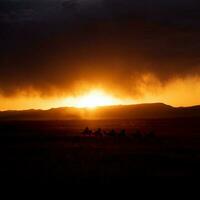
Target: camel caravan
98 133
136 134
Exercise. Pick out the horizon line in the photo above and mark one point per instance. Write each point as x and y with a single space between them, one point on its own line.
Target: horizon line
96 107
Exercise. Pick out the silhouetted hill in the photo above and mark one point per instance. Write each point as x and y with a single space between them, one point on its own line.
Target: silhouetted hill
155 110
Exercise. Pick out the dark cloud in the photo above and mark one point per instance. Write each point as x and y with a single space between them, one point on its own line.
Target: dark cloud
182 12
54 45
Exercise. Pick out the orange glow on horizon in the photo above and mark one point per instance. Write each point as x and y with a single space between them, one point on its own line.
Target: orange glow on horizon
95 98
91 99
177 92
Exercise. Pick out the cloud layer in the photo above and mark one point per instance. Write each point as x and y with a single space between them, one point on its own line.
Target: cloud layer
60 48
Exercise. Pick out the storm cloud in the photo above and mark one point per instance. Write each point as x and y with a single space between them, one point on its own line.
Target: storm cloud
55 47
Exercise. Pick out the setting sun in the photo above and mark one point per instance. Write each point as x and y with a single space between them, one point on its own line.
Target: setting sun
95 98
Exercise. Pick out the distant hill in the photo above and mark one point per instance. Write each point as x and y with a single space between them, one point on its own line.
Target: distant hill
144 111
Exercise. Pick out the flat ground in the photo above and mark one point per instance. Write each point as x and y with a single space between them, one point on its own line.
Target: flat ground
42 150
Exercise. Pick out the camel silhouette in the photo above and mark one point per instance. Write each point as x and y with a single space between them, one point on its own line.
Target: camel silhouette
98 133
122 133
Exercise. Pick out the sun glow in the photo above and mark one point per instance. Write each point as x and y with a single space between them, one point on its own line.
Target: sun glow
93 99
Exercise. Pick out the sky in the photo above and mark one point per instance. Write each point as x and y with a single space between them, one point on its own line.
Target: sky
144 51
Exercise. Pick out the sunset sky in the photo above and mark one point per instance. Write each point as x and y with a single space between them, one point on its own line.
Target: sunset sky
57 53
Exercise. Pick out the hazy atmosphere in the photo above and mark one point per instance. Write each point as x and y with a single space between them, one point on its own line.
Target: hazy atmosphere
54 52
99 91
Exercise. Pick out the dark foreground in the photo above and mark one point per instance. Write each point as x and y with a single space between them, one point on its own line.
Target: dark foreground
47 150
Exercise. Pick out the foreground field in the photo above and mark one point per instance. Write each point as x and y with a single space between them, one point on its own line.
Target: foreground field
45 150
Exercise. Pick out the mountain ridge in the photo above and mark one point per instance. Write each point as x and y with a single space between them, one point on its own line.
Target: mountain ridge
148 110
